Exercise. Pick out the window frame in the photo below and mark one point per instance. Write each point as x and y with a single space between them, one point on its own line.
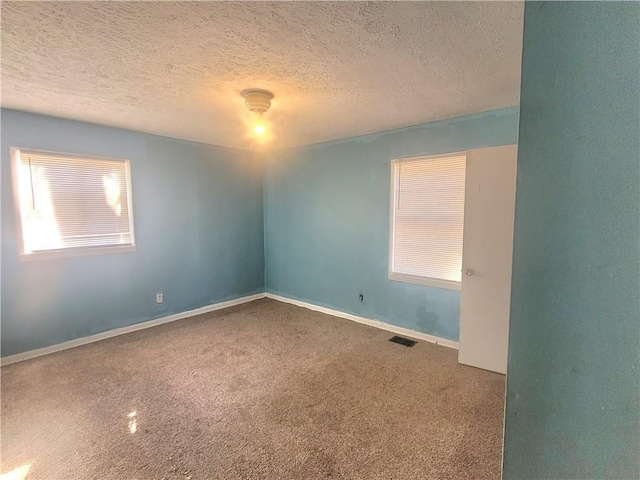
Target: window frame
15 159
403 277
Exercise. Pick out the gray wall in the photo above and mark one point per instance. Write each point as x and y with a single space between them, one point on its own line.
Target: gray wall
327 221
199 233
573 377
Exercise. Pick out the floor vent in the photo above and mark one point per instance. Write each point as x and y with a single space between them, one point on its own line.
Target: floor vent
403 341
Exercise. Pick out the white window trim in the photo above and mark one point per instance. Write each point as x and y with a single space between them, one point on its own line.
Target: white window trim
15 153
403 277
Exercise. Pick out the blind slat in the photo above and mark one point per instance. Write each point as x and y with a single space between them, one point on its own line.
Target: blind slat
429 217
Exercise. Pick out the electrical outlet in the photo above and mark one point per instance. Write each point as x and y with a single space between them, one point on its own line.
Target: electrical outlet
159 297
361 297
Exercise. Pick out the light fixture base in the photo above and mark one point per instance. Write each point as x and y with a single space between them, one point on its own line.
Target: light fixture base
257 100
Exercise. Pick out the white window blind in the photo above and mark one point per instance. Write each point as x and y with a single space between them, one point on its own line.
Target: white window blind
427 219
72 203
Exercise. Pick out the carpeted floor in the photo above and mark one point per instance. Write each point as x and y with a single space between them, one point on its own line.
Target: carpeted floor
262 390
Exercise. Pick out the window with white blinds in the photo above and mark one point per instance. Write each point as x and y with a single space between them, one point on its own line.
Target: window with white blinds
72 204
427 219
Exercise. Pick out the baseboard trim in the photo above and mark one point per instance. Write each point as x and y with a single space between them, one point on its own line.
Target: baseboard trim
367 321
39 352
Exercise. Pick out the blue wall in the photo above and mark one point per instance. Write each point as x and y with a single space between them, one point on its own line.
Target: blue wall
573 382
327 221
199 233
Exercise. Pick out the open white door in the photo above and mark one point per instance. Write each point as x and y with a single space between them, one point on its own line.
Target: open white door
489 206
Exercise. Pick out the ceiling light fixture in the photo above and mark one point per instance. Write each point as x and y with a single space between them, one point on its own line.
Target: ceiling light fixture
258 101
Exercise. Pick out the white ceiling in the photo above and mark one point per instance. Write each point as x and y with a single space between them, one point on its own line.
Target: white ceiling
337 69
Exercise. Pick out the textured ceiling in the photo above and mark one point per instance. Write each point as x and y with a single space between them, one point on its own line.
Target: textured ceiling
337 69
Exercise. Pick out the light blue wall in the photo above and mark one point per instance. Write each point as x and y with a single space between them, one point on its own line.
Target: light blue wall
573 382
327 221
199 233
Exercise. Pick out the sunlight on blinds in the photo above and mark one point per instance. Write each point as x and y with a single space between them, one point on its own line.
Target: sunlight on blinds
72 202
429 217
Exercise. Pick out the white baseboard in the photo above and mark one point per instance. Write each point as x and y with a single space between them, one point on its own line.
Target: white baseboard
368 321
19 357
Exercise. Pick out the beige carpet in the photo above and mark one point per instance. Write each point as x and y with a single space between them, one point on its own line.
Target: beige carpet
262 390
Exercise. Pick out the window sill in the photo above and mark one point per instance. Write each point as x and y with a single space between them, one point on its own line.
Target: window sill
429 282
75 252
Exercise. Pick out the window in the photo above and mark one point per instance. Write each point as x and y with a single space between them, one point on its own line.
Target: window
427 218
72 205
